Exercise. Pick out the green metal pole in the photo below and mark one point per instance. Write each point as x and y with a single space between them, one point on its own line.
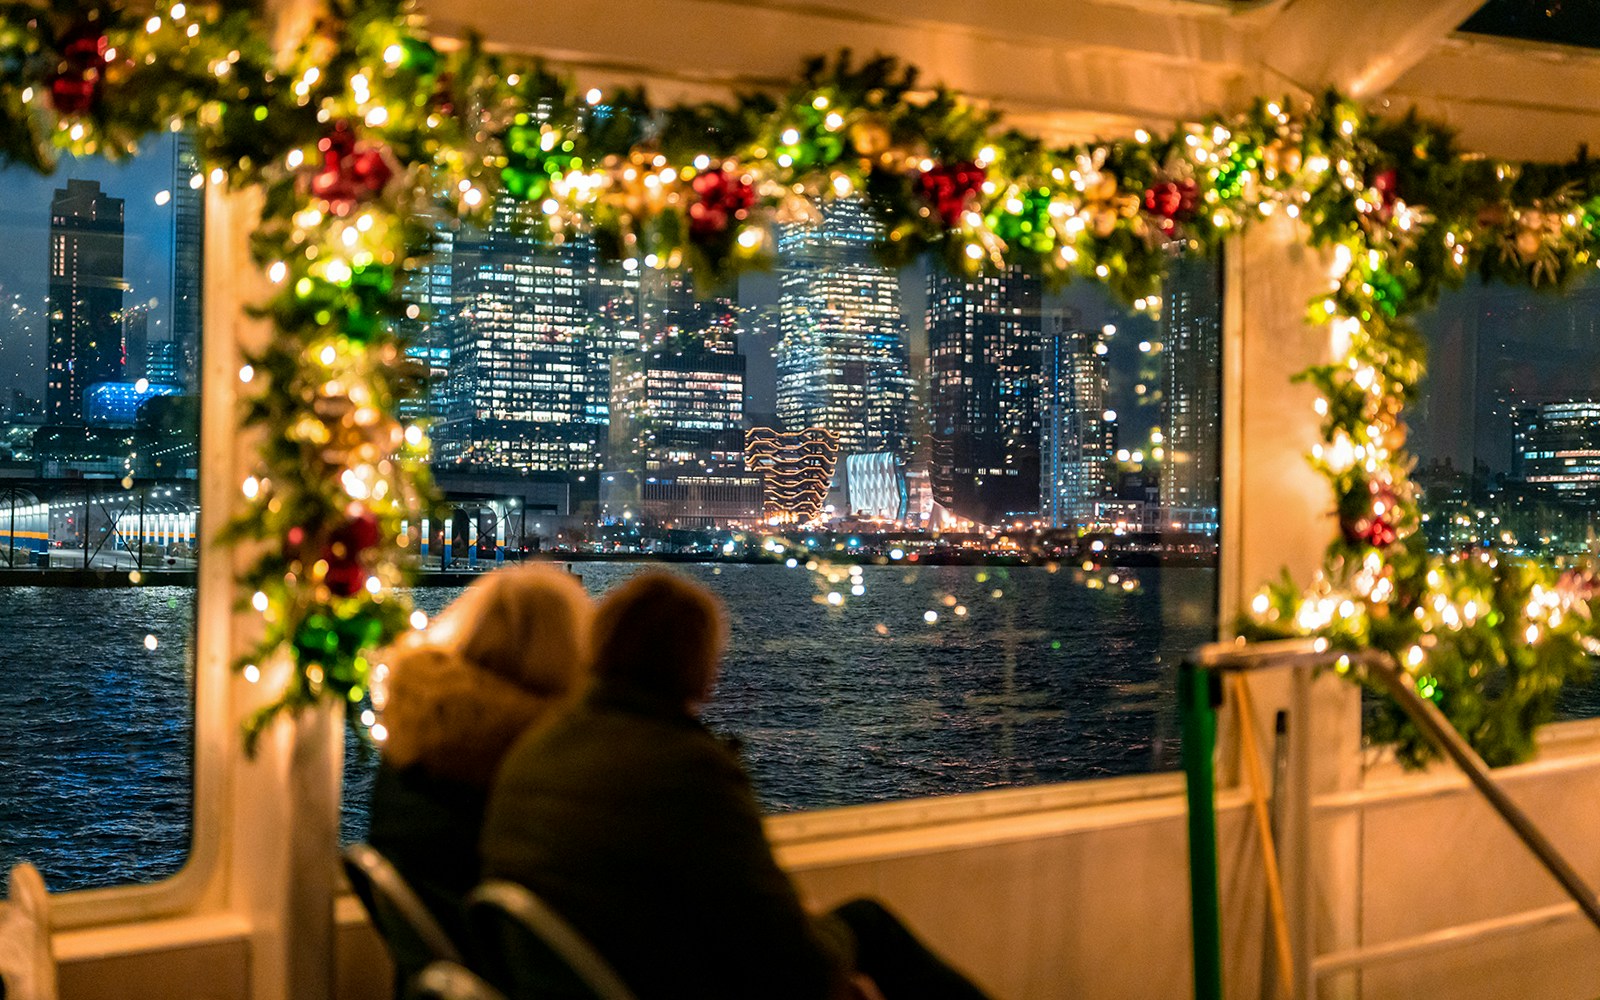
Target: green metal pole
1198 695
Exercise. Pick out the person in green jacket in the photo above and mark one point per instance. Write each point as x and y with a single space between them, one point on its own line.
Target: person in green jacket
635 823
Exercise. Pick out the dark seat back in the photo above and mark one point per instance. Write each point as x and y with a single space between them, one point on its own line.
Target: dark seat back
531 952
449 981
407 928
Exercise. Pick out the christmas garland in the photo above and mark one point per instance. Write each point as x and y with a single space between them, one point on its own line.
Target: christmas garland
368 131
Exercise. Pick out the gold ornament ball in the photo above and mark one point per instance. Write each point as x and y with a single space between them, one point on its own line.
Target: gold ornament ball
870 137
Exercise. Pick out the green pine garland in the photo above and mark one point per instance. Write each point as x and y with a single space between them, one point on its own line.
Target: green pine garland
367 130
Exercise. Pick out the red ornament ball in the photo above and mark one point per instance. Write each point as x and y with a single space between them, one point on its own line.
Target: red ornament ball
359 534
950 189
1375 525
347 550
1380 533
351 171
722 197
1386 184
1172 202
75 85
345 577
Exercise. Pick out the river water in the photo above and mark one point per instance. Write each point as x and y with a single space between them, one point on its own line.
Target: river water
1039 680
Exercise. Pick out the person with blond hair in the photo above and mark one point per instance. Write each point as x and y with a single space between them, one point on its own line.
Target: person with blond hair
633 821
504 656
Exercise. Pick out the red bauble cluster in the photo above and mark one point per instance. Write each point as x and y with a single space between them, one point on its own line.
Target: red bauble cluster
347 550
1386 185
351 171
1380 533
950 189
1376 525
722 197
75 85
1172 203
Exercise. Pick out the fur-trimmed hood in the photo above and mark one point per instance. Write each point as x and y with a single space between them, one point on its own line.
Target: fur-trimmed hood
453 719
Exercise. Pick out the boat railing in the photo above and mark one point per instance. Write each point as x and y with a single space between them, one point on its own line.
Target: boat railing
1211 674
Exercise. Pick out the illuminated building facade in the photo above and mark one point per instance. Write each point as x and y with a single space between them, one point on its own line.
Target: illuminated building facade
677 447
796 468
85 297
1558 451
613 329
136 338
163 362
188 259
678 408
1191 336
518 389
842 364
119 402
1077 433
983 374
876 486
431 286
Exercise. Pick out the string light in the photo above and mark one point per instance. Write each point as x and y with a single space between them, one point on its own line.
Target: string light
1059 212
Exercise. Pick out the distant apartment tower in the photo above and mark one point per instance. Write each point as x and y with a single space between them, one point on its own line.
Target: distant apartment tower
519 376
983 393
431 287
1191 337
613 329
796 468
677 444
1077 439
842 364
163 363
188 259
85 297
672 408
1558 451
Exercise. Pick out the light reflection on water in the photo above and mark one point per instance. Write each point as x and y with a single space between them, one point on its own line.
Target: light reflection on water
867 702
835 705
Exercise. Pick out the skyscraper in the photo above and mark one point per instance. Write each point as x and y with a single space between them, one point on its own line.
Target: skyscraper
613 329
677 445
188 259
1557 449
842 363
431 287
1077 433
519 376
678 407
1191 335
85 297
983 372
